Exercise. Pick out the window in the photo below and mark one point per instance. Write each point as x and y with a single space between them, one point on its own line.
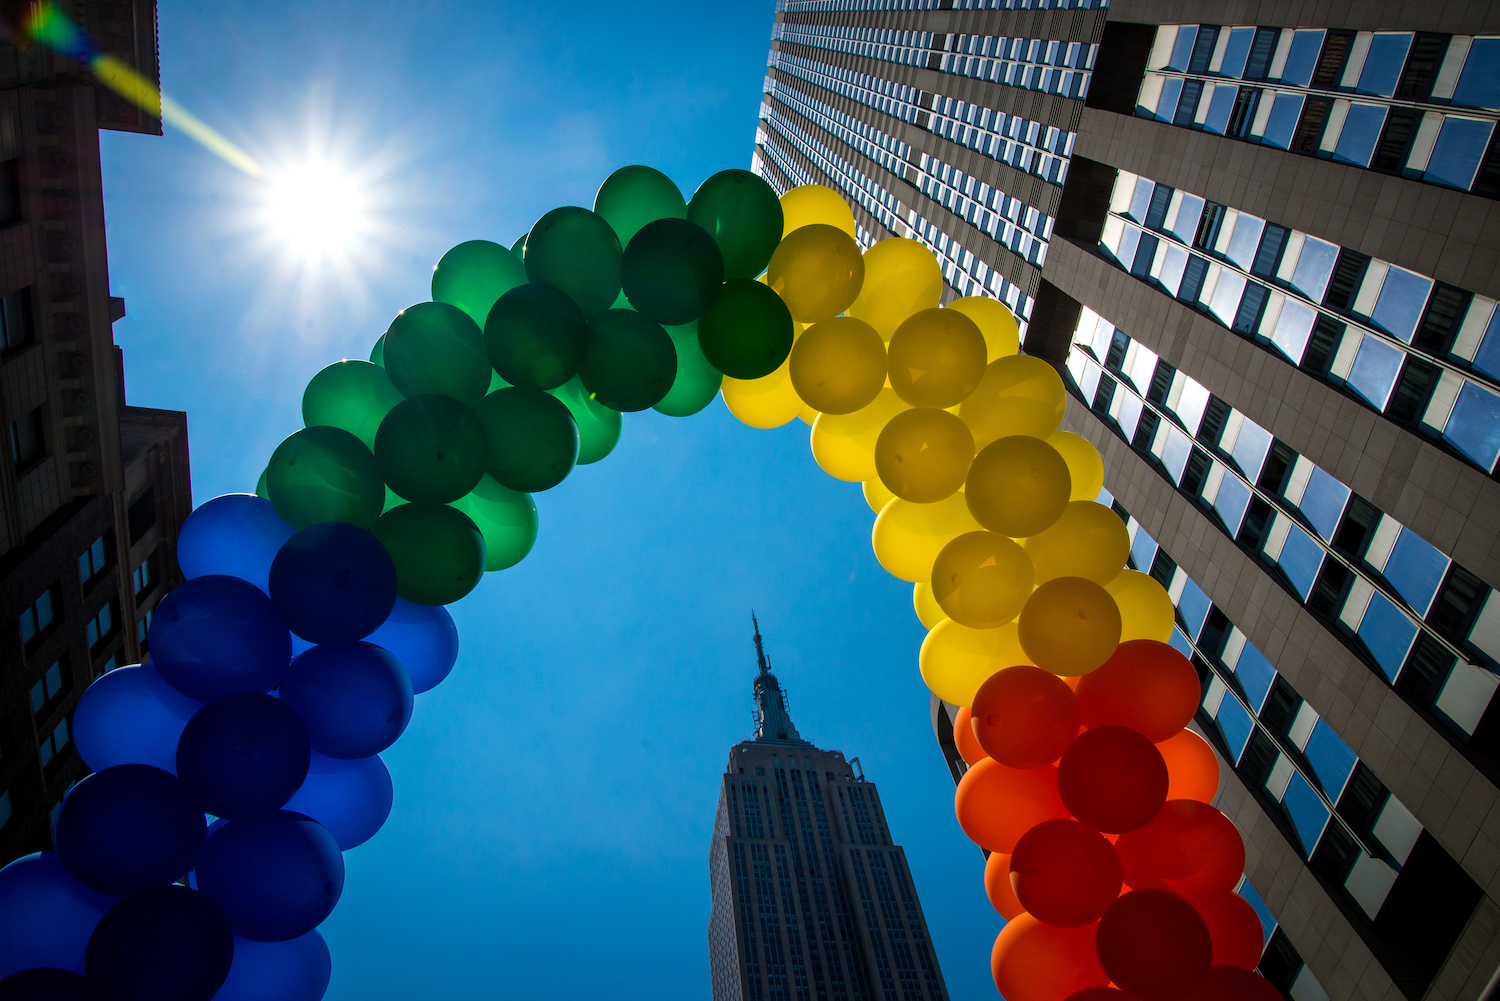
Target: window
94 560
1445 311
15 320
1323 345
1268 256
1331 62
1310 128
1247 317
1286 112
1479 84
1261 51
1457 602
102 626
1242 115
1347 274
37 619
46 691
1383 63
1315 265
1203 49
1302 57
1461 144
1374 371
1156 211
57 740
1421 67
1401 303
1208 226
143 579
1390 152
1413 391
1474 426
26 441
10 192
142 514
1363 124
143 630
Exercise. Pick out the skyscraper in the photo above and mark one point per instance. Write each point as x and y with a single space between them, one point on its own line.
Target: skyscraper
811 900
1262 250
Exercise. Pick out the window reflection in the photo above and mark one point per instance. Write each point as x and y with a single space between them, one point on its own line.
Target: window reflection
1383 63
1374 371
1283 120
1387 633
1292 329
1301 558
1402 298
1361 131
1479 85
1314 266
1330 757
1474 427
1309 815
1193 606
1247 230
1459 148
1231 501
1415 569
1235 723
1302 57
1256 675
1323 502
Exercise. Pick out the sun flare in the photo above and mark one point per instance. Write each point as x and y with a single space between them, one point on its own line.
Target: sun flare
316 209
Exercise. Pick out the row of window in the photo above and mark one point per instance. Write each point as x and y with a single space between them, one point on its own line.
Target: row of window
800 6
1424 353
880 146
1004 219
966 273
855 183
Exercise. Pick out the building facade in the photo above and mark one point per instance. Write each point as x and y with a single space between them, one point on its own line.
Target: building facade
91 491
1261 242
811 899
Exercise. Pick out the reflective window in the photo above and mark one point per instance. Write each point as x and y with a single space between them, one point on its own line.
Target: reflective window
1302 57
1191 403
1193 607
1403 296
1474 427
1267 919
1172 265
1236 725
1166 106
1361 132
1374 371
1309 815
1225 302
1293 328
1256 675
1143 550
1415 568
1330 757
1231 501
1181 643
1188 214
1246 238
1219 108
1182 49
1140 199
1459 148
1387 634
1283 120
1236 50
1301 558
1175 452
1323 502
1250 448
1479 84
1383 63
1487 359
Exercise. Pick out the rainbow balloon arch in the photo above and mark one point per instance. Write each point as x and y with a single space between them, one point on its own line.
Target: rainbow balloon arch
233 769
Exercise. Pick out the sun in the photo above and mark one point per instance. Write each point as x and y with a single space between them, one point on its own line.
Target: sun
316 209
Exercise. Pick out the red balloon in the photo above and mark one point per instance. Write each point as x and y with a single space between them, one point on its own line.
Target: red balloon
1236 931
1112 779
1025 717
1192 767
1064 873
1036 962
997 804
997 886
1189 848
1153 944
963 736
1100 994
1145 685
1233 983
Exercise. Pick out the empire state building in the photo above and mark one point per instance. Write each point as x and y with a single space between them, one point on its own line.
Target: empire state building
811 900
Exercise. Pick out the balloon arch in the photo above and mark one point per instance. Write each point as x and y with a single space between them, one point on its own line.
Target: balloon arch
233 769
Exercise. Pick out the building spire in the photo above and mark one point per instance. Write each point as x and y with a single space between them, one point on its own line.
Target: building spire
760 651
773 722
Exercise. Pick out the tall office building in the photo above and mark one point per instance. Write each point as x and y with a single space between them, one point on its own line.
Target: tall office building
91 491
1262 248
811 900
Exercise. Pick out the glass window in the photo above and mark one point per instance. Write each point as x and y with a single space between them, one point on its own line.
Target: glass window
1225 303
1474 426
1143 550
1387 633
1361 132
1375 369
1479 84
55 742
1174 260
1245 239
1236 50
48 688
1301 558
1309 815
1256 675
1236 726
1180 643
1262 49
1285 114
93 561
100 626
1247 317
1166 106
1456 154
1220 105
1323 502
36 619
1267 919
1403 297
1140 199
1302 57
26 442
1383 63
1182 48
1250 448
1415 569
1330 757
1231 501
1193 607
1292 329
15 319
1314 267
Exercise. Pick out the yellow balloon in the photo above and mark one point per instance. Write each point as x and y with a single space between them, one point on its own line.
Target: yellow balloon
928 610
1070 626
838 365
955 660
1145 607
1089 540
817 270
1018 486
816 203
844 444
807 415
877 495
1002 335
767 402
936 358
1019 394
982 579
901 277
1085 464
907 536
923 454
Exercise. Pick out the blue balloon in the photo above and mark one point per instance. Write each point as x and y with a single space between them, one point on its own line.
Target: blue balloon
354 698
333 583
214 635
295 970
234 534
46 916
276 876
243 754
47 984
130 716
163 943
129 827
350 798
423 638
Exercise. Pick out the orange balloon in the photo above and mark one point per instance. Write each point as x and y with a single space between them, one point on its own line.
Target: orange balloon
1145 685
1232 983
1036 962
1192 767
1100 994
997 886
1025 717
1154 945
1189 848
1235 930
963 736
996 804
1065 874
1112 779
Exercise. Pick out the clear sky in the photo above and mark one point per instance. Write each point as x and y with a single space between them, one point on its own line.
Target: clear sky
555 797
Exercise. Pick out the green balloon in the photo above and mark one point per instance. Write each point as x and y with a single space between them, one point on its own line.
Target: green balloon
697 381
519 249
506 519
433 347
323 474
741 212
536 336
431 449
392 499
630 363
633 196
747 332
598 425
353 395
260 487
473 275
437 549
672 270
377 353
533 438
575 250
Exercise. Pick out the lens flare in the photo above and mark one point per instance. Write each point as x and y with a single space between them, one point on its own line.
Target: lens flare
315 208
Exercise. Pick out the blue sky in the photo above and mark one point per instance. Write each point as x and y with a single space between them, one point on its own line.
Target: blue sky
554 798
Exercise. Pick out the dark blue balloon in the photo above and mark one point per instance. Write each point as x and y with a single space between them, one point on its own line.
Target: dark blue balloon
164 943
235 534
333 583
46 916
243 754
350 798
214 635
47 984
423 638
131 716
129 827
276 876
295 970
354 698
